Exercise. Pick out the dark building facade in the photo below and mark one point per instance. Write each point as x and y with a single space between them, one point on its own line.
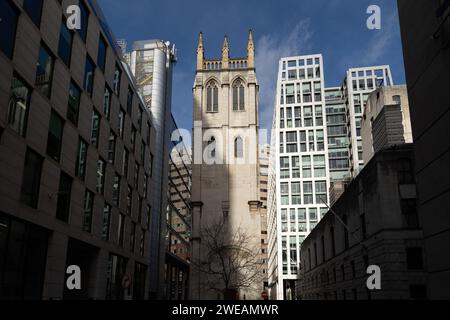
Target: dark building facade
425 30
76 149
374 222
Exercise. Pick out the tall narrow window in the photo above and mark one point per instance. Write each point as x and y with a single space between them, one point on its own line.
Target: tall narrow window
64 192
133 236
81 159
121 119
101 55
54 139
238 148
65 43
121 229
101 166
74 103
19 103
8 27
117 77
129 100
125 163
44 71
212 97
107 101
238 96
88 207
111 147
89 70
95 128
116 190
84 20
34 9
106 221
31 179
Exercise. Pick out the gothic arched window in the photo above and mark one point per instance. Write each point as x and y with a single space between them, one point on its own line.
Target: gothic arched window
238 147
212 97
238 96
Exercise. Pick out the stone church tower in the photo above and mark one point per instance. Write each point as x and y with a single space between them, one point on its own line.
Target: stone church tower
225 187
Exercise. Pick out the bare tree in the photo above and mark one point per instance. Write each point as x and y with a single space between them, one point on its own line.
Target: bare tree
231 260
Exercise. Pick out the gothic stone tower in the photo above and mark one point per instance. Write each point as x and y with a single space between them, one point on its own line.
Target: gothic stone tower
225 170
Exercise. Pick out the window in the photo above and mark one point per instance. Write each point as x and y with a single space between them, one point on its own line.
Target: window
307 192
31 179
397 99
81 159
125 156
107 101
106 222
44 71
89 70
129 200
121 229
121 119
238 148
148 216
101 167
111 147
133 139
65 43
414 258
142 243
409 212
130 100
133 236
116 80
64 194
116 189
295 193
54 138
95 128
101 55
88 207
238 96
84 20
8 27
34 9
136 175
212 97
74 103
405 172
19 102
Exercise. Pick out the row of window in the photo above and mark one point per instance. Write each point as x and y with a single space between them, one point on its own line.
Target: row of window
238 96
310 140
303 92
292 116
294 196
301 73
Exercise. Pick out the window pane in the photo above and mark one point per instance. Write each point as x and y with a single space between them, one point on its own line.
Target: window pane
64 191
101 56
55 133
8 27
34 9
81 159
88 207
106 221
95 127
31 178
84 20
89 70
44 71
241 98
65 43
74 103
18 105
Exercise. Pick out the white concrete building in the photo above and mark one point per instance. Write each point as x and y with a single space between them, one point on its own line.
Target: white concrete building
356 87
300 182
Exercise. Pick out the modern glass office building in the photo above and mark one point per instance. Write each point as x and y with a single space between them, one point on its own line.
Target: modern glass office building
301 161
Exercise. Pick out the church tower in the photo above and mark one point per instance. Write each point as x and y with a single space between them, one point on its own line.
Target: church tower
225 187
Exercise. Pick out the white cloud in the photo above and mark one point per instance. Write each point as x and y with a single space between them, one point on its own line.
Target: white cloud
269 49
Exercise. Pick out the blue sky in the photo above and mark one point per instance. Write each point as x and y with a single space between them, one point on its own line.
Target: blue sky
335 28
